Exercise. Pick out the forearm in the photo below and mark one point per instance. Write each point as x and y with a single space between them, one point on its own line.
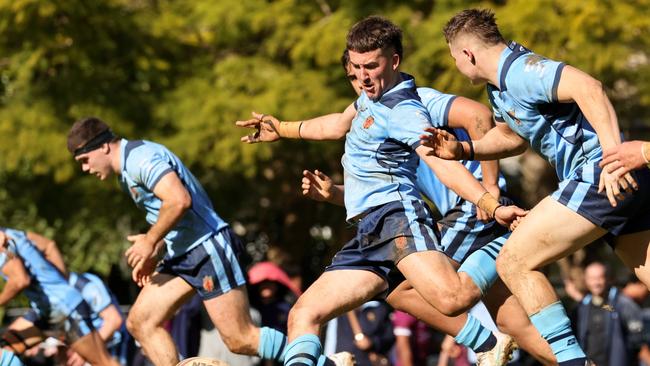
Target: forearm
112 321
325 127
598 110
9 291
337 195
500 142
170 213
456 177
51 251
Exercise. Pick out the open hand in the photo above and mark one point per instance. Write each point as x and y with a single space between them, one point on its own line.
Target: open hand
266 128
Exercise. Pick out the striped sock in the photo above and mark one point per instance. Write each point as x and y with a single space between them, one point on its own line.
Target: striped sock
305 350
554 325
475 336
272 344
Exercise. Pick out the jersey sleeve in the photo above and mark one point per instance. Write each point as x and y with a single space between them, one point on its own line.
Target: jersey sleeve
438 105
495 111
148 168
97 293
538 80
407 122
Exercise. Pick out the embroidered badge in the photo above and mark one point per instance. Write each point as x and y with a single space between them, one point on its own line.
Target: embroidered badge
368 122
208 283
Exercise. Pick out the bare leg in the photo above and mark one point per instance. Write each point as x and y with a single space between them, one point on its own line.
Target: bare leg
511 319
91 348
230 314
333 293
538 241
27 335
157 302
633 249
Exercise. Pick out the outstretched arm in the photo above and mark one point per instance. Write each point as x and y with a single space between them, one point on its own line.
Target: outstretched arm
328 127
49 248
499 142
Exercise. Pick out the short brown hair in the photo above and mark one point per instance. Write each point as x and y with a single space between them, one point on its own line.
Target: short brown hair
84 130
375 32
478 22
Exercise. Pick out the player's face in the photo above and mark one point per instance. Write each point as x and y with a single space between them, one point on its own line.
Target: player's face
352 78
465 60
595 280
96 162
375 71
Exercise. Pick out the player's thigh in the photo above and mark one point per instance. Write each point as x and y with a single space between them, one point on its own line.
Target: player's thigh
549 232
430 273
634 251
338 291
160 298
22 334
230 312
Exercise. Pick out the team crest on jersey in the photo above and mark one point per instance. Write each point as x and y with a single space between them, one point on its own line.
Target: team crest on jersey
368 122
208 283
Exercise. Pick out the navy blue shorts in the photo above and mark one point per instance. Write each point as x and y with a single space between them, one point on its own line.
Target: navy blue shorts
211 268
462 233
76 325
631 215
386 235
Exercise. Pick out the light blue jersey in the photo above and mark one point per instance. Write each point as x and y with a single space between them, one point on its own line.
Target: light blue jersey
144 163
526 99
380 159
49 293
438 105
97 296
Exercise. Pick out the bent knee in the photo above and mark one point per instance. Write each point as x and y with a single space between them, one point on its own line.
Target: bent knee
239 343
302 314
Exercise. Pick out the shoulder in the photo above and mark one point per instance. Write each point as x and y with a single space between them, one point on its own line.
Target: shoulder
139 153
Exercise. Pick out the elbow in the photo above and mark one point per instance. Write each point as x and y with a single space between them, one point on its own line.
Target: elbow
22 283
185 202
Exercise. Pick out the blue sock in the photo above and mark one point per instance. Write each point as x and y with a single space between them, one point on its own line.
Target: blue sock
305 350
9 358
554 325
475 336
272 344
481 266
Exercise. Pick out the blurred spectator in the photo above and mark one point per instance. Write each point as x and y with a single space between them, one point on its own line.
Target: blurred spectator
608 324
415 342
366 332
272 293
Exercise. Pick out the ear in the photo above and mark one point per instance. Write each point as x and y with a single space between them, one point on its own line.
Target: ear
395 61
106 148
470 56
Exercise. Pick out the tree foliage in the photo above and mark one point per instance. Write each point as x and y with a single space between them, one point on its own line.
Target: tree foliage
181 73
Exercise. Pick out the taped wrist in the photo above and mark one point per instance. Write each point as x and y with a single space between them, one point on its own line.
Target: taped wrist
290 129
488 203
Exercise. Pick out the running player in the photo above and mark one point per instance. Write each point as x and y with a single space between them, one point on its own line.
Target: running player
465 238
55 304
564 115
395 228
202 251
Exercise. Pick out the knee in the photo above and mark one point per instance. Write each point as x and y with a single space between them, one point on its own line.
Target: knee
301 314
453 306
508 265
137 322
